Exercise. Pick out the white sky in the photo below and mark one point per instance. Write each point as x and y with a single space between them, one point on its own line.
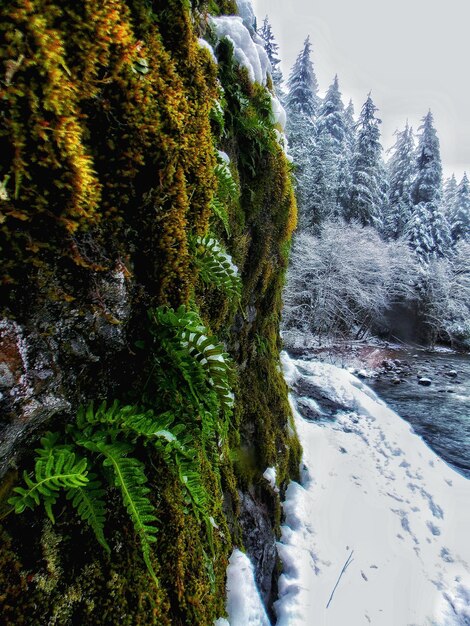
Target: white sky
413 55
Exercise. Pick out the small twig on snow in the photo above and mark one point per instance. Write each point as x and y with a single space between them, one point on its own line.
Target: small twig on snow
349 560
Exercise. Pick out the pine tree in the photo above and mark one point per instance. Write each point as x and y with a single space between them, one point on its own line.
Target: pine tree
301 106
450 195
367 199
460 217
427 197
332 153
346 162
303 85
272 49
401 172
331 118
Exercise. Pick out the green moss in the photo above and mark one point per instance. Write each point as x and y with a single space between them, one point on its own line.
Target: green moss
112 167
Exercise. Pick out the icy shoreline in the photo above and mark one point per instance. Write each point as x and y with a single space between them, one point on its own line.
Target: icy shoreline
371 487
378 531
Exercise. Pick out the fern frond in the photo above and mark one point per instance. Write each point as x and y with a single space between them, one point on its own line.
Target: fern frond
212 357
130 479
89 503
216 266
56 469
220 211
227 187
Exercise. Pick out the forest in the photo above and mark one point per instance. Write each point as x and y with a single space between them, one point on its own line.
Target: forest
383 242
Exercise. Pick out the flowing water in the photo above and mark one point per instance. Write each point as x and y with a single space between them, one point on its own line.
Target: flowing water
440 412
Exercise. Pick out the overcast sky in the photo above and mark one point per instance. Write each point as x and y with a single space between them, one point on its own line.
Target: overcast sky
413 55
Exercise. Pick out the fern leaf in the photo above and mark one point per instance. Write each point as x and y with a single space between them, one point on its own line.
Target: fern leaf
89 503
220 211
56 469
216 266
130 478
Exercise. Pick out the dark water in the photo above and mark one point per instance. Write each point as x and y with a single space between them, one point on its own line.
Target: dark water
440 413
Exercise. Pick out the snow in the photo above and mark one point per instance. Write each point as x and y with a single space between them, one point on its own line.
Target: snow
247 52
270 475
205 44
247 14
373 492
223 157
244 605
279 113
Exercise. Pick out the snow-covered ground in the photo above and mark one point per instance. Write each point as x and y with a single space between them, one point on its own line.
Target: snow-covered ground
377 533
374 493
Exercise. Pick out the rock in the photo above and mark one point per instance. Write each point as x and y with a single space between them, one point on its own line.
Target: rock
451 373
309 409
260 543
426 382
395 381
328 404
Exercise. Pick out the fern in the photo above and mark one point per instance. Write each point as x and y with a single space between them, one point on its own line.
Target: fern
216 267
194 342
227 191
226 187
130 478
56 469
89 503
220 211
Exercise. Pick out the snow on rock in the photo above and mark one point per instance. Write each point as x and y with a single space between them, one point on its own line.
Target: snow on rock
374 493
279 113
270 475
205 44
247 52
247 14
244 606
223 157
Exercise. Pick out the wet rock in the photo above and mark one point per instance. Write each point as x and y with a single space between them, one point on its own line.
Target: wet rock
395 381
304 387
260 543
451 373
308 409
426 382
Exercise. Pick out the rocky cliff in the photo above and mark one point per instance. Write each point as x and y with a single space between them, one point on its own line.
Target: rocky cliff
146 211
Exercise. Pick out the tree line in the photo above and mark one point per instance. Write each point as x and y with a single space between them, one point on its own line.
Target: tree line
352 199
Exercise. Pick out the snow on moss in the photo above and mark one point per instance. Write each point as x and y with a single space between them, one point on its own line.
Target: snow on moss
248 53
205 44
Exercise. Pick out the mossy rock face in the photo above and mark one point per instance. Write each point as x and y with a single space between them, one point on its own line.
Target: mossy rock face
107 172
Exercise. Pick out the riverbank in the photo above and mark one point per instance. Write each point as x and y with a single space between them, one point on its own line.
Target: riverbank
377 530
428 388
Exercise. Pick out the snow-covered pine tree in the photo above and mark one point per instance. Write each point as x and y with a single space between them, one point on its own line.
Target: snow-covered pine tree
460 217
345 162
302 105
303 85
435 237
450 195
272 50
401 173
332 152
367 198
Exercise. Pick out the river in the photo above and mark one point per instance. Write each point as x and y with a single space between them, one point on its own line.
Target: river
440 412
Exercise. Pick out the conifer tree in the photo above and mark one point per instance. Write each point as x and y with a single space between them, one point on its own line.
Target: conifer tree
301 106
303 86
332 153
460 217
450 195
367 199
428 217
345 163
272 50
401 172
